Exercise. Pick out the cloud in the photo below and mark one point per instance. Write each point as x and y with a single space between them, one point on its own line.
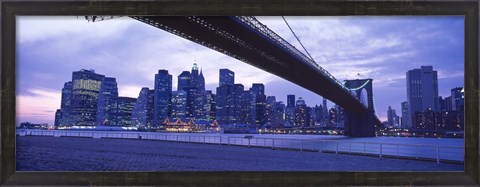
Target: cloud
40 106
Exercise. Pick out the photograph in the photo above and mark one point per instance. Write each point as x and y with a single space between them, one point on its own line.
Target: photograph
240 93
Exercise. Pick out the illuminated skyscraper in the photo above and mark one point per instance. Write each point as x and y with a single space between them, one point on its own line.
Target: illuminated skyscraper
142 115
162 98
183 80
405 115
226 77
85 92
106 100
123 111
62 115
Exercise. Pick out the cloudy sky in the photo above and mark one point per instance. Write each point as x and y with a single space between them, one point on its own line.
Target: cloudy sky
384 48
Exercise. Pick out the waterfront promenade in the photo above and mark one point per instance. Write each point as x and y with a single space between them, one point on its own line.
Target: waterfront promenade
42 153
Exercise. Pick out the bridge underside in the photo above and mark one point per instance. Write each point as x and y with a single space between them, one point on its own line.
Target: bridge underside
247 43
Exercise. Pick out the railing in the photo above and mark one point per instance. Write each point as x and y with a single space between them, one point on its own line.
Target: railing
381 150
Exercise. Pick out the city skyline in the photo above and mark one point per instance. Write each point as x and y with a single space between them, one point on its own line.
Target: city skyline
98 55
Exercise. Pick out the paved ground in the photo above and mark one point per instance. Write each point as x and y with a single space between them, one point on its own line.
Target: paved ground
87 154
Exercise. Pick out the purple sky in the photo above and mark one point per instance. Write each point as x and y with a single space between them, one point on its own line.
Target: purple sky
383 48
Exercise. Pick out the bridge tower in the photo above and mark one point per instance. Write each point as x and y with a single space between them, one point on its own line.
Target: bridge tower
361 123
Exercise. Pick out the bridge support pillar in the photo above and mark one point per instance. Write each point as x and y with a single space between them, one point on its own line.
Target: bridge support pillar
360 124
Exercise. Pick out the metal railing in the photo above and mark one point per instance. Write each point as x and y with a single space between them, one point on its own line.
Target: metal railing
381 150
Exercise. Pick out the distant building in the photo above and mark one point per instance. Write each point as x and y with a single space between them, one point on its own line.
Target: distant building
393 119
179 104
162 97
123 111
227 77
258 91
210 105
142 115
84 101
302 114
290 111
183 80
62 117
422 90
458 99
106 100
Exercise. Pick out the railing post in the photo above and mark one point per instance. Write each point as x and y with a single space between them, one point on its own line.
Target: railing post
350 147
220 140
189 138
336 149
364 148
381 150
301 145
203 139
438 154
397 151
228 141
177 139
249 142
273 143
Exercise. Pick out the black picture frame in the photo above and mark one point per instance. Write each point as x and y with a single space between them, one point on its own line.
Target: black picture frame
10 9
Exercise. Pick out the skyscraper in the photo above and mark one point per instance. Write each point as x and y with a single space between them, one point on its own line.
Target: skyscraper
142 115
302 114
179 104
422 90
183 80
290 111
458 100
62 115
405 114
84 102
123 111
290 100
162 98
227 77
106 100
258 91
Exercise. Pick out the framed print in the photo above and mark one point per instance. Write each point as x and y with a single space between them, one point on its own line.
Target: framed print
239 93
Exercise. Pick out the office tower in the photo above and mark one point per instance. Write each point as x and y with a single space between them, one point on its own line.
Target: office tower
405 114
162 97
106 100
279 121
191 93
183 80
258 91
332 117
248 106
84 101
224 104
226 77
457 99
179 104
392 116
142 115
123 111
290 100
199 111
270 110
422 90
201 82
325 111
318 117
58 117
290 111
302 115
340 116
210 105
61 115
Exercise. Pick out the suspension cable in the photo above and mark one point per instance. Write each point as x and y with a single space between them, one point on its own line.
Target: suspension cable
298 39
